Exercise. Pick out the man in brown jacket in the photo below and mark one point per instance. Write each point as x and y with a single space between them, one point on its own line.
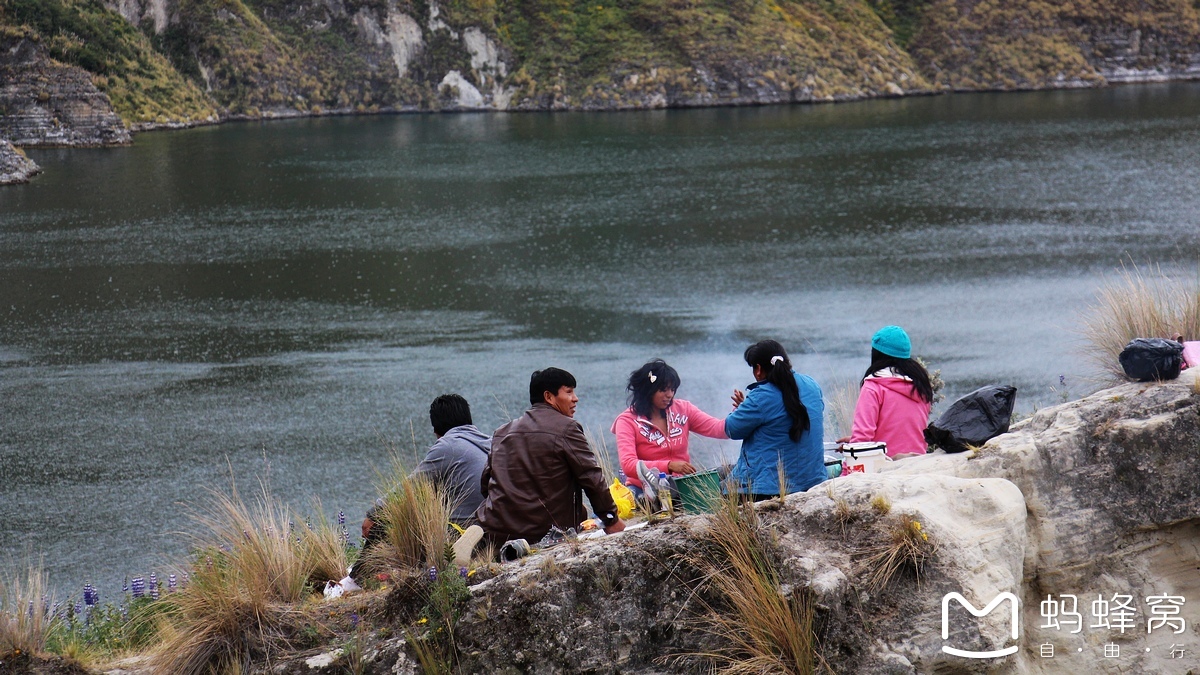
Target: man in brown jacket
538 466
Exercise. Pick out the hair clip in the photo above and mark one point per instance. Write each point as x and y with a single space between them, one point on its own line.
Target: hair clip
653 379
776 360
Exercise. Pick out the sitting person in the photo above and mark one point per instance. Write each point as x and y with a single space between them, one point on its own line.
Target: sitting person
653 431
454 464
539 466
779 421
456 460
895 398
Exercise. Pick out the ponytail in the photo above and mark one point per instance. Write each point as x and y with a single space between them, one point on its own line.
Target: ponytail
771 357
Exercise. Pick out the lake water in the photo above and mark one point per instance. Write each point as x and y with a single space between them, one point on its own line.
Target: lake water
283 300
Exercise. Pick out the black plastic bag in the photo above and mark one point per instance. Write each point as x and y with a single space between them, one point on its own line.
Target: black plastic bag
973 419
1146 359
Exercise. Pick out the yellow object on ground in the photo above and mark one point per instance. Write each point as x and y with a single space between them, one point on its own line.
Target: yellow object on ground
624 499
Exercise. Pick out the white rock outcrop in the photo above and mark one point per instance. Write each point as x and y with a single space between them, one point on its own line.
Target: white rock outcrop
464 94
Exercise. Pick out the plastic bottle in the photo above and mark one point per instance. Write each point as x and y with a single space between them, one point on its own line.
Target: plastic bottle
664 494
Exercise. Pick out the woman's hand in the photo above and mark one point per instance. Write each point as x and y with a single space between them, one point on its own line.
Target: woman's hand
737 398
679 467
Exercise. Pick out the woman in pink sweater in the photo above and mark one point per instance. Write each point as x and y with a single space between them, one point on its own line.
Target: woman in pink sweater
896 395
654 429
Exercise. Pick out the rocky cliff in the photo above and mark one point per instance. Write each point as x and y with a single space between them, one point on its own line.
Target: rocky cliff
180 62
1094 501
44 102
15 167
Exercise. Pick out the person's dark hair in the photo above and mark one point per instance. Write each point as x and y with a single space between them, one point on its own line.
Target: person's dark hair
909 368
642 388
551 380
780 374
448 411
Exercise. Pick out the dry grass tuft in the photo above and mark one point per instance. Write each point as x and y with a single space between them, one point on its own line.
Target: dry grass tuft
1140 304
415 516
881 504
550 568
251 567
764 629
840 401
25 616
910 546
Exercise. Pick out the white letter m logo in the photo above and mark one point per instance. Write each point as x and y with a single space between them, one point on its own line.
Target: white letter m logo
978 612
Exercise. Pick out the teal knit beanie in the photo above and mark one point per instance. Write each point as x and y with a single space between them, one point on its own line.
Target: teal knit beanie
893 341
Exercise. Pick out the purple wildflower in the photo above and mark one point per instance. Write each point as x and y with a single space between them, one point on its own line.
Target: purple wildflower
138 585
354 619
1062 380
341 517
125 586
153 586
171 583
90 596
433 574
462 572
186 579
30 612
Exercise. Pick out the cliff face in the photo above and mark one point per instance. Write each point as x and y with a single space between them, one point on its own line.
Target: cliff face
43 102
168 62
1034 44
15 167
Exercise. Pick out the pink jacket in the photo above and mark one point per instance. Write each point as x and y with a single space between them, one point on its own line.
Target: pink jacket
638 439
890 410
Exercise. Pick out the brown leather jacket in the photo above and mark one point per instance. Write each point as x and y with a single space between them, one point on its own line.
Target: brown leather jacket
538 465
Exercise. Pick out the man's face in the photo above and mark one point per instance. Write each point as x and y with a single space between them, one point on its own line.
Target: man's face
564 401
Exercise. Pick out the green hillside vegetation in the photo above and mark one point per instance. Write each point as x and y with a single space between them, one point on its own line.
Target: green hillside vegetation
841 44
142 84
262 57
1012 44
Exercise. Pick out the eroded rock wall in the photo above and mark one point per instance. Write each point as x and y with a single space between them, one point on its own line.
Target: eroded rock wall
15 167
43 102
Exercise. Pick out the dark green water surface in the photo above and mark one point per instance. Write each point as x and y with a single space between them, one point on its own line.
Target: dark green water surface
283 300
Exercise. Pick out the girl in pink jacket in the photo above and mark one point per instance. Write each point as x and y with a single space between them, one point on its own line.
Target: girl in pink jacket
654 429
896 395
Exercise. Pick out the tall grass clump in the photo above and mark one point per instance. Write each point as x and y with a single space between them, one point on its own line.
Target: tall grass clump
908 546
26 620
762 629
251 567
415 517
1138 303
840 401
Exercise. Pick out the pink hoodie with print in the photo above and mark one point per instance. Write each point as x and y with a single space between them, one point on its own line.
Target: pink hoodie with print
638 439
890 410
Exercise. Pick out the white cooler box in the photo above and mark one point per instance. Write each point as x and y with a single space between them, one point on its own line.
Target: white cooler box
866 457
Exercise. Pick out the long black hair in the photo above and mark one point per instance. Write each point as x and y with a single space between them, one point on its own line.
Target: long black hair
645 382
778 371
909 368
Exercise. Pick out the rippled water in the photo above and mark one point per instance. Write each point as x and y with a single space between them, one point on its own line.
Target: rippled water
284 299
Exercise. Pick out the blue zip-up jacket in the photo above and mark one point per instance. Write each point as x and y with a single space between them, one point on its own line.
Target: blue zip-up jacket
762 424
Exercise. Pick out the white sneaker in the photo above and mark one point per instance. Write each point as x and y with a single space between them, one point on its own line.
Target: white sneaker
648 477
465 546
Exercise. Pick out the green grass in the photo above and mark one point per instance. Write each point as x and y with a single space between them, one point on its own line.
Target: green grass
141 83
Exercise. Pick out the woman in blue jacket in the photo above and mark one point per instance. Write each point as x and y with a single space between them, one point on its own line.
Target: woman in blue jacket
778 420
